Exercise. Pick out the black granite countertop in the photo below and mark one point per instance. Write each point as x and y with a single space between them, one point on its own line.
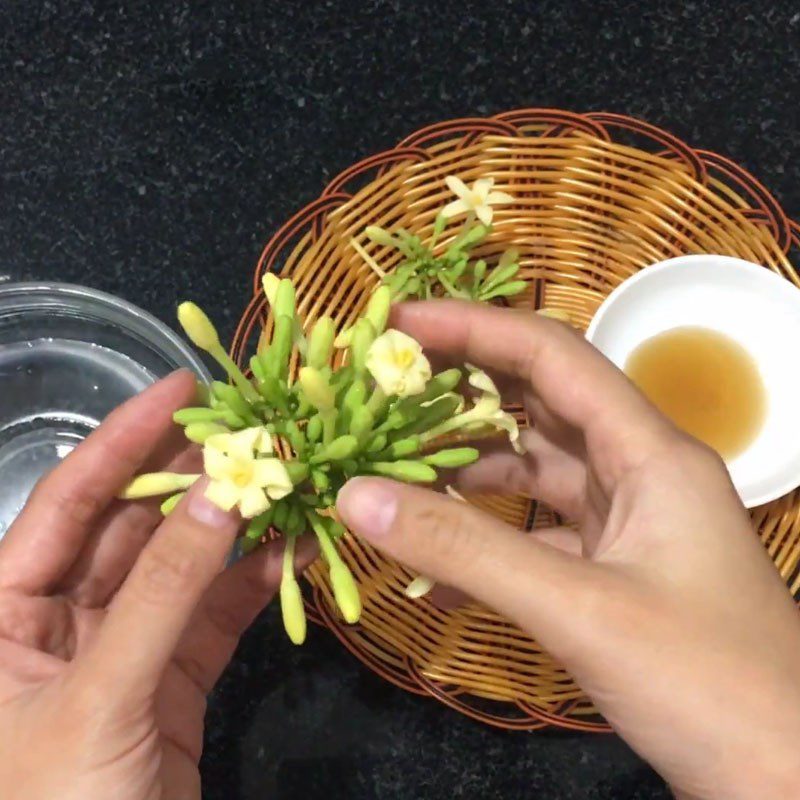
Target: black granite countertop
151 148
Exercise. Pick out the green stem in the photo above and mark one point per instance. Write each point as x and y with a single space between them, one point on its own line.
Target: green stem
234 373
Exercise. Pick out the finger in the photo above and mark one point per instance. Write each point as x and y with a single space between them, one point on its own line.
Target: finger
572 378
531 582
159 597
234 600
47 536
566 539
112 549
545 473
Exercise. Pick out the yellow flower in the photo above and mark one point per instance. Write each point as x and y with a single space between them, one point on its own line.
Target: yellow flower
397 363
478 199
487 410
240 473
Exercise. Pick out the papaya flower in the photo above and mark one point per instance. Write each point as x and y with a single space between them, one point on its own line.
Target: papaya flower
397 363
477 199
242 472
486 411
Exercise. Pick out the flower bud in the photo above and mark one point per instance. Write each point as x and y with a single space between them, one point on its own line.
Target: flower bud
378 308
345 591
169 504
339 449
408 471
316 389
320 343
404 447
292 609
380 236
190 416
270 282
198 327
363 337
198 432
314 429
453 457
284 299
361 422
155 483
296 470
344 339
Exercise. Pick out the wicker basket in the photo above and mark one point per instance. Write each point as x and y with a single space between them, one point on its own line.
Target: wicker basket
599 196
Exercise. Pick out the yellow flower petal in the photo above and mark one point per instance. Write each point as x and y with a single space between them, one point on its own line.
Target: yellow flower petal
216 464
252 502
242 444
223 494
270 474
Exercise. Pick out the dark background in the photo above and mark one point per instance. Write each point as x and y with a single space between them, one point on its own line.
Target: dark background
151 148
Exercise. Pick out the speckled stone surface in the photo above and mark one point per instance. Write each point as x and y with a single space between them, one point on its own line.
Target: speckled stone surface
150 149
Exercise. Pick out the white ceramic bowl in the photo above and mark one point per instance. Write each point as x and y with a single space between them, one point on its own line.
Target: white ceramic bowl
752 305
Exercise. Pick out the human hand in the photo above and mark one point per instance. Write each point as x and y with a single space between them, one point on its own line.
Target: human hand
663 604
113 627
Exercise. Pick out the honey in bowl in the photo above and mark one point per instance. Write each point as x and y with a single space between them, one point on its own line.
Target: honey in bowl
706 383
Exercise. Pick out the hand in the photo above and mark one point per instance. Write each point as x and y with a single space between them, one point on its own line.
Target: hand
663 604
113 627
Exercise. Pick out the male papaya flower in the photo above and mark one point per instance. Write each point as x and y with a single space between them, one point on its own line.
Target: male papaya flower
477 199
239 473
486 411
397 363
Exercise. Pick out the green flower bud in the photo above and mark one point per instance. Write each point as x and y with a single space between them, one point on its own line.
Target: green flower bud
316 388
281 514
314 429
380 236
320 480
363 337
292 609
168 506
354 397
408 471
232 420
198 327
320 343
429 417
295 436
198 432
276 358
505 290
155 483
500 275
258 526
297 471
339 449
284 299
404 447
378 309
345 591
273 391
295 521
478 271
361 422
377 443
343 339
453 457
335 528
233 399
190 416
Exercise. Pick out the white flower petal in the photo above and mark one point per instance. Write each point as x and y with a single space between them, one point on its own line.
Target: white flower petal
495 198
482 187
270 474
419 587
457 186
455 208
242 444
484 213
481 381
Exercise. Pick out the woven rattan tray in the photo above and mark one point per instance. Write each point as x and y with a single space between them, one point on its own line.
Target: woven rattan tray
599 196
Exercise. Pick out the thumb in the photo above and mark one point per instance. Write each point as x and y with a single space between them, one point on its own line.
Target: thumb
535 584
147 618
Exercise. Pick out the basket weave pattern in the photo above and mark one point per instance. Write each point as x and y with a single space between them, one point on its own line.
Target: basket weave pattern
598 197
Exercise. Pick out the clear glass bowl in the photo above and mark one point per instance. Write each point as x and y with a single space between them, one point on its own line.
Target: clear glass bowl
68 356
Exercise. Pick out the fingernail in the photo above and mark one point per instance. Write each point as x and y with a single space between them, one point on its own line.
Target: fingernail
368 506
202 510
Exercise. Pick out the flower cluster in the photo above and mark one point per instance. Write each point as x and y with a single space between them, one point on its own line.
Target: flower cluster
428 270
279 443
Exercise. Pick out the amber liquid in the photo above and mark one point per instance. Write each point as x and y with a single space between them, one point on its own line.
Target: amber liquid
706 383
